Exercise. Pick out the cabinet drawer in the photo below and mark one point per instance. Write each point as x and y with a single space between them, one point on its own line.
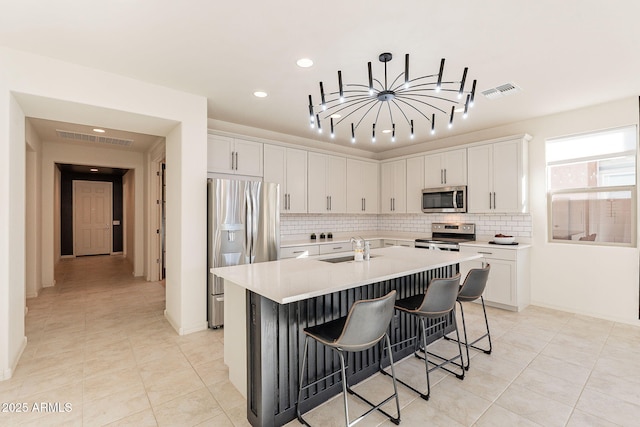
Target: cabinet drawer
374 244
298 251
331 248
495 253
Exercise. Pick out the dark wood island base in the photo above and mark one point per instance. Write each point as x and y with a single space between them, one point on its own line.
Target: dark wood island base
275 344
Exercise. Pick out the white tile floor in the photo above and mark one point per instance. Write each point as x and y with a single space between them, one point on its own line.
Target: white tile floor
99 342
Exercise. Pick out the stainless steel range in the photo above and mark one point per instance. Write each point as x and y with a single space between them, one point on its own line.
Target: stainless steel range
446 237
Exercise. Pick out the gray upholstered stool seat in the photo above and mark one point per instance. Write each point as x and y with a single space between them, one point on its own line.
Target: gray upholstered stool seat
471 290
434 310
364 326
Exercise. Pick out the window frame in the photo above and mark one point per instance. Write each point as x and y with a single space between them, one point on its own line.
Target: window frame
633 189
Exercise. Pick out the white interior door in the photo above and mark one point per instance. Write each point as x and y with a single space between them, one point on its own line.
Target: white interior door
92 214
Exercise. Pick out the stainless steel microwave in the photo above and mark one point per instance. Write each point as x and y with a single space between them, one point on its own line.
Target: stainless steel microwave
444 199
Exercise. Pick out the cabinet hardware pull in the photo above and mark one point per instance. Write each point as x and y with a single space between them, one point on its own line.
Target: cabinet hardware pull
441 177
485 253
489 199
339 247
236 160
494 200
365 204
330 202
445 176
298 252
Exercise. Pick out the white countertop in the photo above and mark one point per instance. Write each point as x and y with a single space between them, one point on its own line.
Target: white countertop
296 279
486 244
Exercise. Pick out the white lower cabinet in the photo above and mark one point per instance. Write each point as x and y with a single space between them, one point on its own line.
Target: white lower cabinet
509 279
298 251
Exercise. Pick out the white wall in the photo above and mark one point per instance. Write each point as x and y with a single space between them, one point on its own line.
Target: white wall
129 214
33 268
600 281
41 87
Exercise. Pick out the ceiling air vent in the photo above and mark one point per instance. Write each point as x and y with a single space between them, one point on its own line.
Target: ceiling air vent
500 91
85 137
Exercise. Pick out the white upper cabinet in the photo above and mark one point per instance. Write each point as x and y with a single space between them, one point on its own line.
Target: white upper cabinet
288 168
446 169
234 156
327 179
393 187
498 177
362 186
415 183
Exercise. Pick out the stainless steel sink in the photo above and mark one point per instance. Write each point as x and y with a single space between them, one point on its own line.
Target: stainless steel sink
341 259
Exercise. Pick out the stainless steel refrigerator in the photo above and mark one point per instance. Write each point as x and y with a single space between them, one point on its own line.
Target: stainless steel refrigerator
243 227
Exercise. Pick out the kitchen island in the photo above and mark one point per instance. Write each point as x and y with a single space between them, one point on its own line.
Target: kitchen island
267 305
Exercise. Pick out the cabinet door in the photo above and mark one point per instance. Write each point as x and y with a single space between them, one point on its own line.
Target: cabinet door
393 187
506 179
455 167
355 186
274 170
501 283
415 183
219 152
317 183
433 171
296 180
400 186
370 187
480 176
337 184
386 187
248 157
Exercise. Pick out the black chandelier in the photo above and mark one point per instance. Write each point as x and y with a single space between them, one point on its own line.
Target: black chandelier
422 97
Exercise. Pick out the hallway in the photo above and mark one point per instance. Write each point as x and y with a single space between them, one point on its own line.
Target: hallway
99 341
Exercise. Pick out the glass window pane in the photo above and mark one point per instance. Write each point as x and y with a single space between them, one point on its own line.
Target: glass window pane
611 141
598 173
600 216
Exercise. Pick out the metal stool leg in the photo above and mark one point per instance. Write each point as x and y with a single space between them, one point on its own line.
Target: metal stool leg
301 382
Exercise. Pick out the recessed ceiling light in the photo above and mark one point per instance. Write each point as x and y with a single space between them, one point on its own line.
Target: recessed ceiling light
304 62
260 94
99 130
93 170
335 116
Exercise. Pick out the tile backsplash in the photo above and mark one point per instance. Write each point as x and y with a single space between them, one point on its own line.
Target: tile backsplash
486 224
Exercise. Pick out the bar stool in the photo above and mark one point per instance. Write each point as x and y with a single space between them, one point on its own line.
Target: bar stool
364 326
435 305
472 289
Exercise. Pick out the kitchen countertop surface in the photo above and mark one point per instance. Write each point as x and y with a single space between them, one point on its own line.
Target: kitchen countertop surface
486 244
289 280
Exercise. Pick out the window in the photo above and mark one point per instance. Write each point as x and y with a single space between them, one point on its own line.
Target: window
591 187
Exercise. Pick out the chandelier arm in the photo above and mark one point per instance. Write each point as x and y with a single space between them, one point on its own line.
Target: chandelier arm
332 103
412 95
372 103
395 80
423 87
380 83
401 111
390 114
364 115
420 102
346 106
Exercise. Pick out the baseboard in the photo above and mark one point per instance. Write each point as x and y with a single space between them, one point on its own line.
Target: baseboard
116 253
633 322
8 373
67 256
185 331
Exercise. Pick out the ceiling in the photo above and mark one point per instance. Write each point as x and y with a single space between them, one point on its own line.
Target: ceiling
73 133
562 54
